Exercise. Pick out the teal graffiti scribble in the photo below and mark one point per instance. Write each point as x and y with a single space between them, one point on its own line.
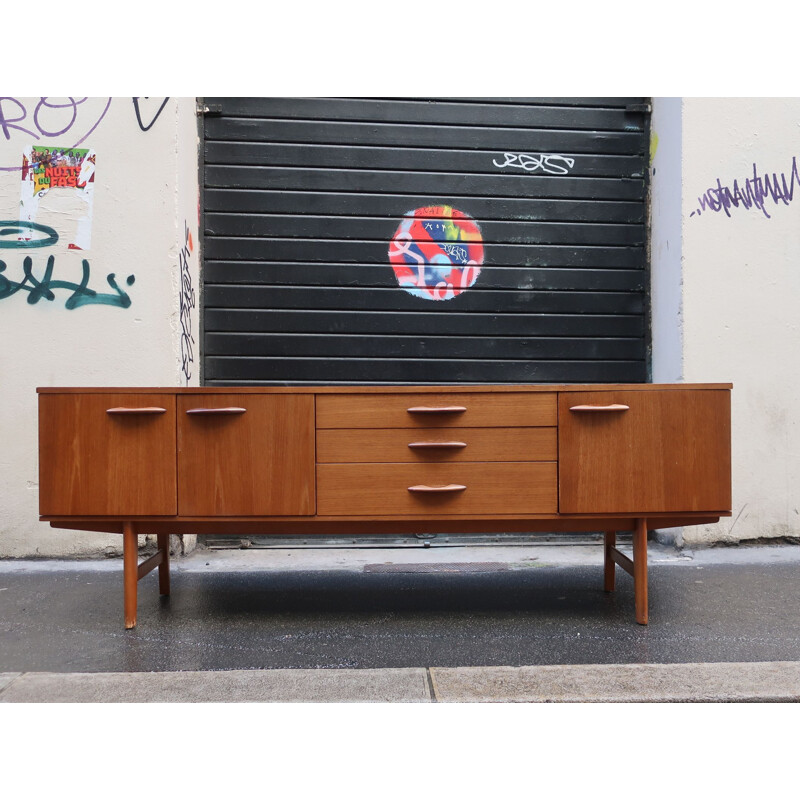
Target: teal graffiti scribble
81 295
9 236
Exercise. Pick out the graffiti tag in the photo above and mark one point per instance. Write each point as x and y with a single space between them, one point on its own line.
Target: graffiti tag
754 192
16 234
549 163
137 109
456 253
48 119
82 295
439 258
186 304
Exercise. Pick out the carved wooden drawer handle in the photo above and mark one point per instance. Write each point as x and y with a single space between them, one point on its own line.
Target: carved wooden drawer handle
443 445
436 409
612 407
144 410
451 487
228 410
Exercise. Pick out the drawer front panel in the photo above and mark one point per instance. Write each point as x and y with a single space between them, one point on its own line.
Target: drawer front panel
474 410
107 454
383 489
345 445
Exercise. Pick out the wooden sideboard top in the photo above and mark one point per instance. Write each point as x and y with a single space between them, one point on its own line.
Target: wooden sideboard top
382 388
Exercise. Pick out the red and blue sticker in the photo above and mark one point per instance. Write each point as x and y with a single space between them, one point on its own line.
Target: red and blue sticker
437 252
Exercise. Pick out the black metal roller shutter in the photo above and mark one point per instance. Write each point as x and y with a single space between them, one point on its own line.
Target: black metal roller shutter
302 199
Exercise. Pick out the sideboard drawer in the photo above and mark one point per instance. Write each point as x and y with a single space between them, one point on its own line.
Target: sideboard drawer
436 489
344 445
423 410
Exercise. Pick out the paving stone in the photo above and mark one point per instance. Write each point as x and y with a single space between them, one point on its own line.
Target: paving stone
234 686
775 681
6 678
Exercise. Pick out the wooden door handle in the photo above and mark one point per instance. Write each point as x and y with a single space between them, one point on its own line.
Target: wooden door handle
436 409
217 411
451 487
442 445
612 407
143 410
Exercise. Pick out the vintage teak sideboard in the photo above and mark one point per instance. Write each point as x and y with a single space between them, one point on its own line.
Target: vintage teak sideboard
384 459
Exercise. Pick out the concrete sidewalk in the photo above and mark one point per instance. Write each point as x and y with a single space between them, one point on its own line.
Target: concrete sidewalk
770 682
408 625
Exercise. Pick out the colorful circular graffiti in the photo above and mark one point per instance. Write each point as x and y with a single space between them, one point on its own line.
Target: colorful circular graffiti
437 252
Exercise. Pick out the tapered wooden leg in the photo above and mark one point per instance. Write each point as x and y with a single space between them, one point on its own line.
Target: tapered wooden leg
163 567
130 567
640 570
610 572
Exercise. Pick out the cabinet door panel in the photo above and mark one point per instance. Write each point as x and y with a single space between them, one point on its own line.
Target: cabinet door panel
669 451
253 458
96 463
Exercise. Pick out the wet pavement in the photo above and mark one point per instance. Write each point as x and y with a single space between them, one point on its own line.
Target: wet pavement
431 608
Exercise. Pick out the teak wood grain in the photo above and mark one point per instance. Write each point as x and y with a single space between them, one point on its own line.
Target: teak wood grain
383 489
95 463
344 445
670 451
482 410
259 462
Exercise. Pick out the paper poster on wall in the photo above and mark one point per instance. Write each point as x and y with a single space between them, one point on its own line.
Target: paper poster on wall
58 170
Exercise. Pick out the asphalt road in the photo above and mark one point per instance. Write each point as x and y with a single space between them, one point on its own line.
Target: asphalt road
536 605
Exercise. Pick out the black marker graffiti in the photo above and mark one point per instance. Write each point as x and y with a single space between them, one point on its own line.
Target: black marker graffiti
18 234
186 304
136 108
81 295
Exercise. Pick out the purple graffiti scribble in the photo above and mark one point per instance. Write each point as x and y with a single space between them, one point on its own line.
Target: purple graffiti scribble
754 192
92 129
7 124
72 105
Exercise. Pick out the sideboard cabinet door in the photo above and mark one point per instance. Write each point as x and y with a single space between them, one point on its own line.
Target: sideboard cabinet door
107 454
245 455
644 451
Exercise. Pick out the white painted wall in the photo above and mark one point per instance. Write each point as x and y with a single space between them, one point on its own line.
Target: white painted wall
739 279
145 193
666 279
725 289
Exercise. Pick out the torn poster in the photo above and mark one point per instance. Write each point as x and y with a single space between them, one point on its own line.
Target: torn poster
54 169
